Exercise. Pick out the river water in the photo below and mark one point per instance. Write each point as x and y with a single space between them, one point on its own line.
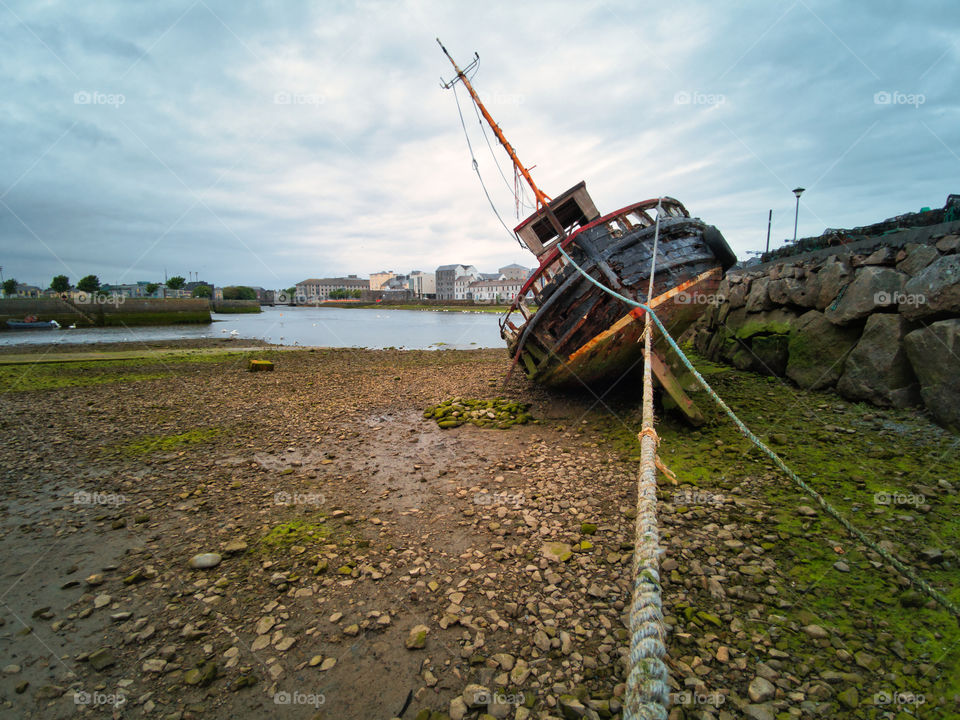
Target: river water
312 326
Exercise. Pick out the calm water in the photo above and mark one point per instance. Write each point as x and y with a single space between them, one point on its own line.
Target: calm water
325 327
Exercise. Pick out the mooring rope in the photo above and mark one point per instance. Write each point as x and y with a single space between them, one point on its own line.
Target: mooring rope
905 570
648 694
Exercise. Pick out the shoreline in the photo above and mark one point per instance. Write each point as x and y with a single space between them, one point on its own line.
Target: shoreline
344 521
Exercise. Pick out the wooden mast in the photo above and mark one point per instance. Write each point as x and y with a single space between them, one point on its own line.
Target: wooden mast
542 198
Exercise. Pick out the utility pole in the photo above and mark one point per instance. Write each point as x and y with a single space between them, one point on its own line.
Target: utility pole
769 221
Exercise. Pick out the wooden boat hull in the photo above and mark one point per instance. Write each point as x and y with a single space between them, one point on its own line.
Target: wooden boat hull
581 335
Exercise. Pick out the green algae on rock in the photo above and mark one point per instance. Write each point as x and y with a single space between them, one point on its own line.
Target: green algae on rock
496 413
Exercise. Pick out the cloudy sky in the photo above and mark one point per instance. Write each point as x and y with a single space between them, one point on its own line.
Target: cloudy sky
263 143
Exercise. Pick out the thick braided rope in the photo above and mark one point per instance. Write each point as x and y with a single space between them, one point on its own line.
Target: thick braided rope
648 694
906 571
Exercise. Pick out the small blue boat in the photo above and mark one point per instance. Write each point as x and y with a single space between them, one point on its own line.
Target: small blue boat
32 324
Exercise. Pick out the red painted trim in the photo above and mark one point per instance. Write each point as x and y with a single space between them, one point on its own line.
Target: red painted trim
548 257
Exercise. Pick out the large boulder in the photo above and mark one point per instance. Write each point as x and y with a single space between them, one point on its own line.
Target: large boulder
917 259
770 354
933 353
817 349
802 292
877 369
777 321
739 287
832 275
759 298
872 289
933 291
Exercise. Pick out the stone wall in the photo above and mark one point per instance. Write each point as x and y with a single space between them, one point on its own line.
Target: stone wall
880 326
236 306
105 311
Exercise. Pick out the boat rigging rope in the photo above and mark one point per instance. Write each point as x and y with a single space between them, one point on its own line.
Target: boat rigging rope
900 566
476 169
511 190
648 694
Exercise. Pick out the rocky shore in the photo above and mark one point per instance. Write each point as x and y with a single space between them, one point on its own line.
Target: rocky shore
186 539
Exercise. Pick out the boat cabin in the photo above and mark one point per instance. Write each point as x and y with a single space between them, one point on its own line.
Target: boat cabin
573 209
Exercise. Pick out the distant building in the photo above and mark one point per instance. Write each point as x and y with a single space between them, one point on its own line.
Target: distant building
127 290
515 272
423 285
191 286
447 275
379 279
397 282
494 291
27 291
489 276
319 289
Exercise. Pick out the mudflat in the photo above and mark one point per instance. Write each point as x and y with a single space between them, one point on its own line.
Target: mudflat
182 538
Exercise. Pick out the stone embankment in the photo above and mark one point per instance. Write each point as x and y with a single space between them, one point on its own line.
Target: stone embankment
878 322
107 310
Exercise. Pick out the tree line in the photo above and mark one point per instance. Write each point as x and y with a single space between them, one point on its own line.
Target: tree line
91 284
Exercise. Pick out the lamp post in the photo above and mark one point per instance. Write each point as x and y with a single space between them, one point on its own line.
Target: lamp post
798 192
769 222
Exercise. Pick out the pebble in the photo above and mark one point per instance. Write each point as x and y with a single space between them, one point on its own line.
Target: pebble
556 551
816 632
761 690
101 659
417 637
205 561
475 696
102 601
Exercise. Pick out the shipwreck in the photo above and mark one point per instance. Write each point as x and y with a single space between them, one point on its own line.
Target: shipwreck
579 335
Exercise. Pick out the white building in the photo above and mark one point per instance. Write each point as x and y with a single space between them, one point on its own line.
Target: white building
423 285
461 286
494 291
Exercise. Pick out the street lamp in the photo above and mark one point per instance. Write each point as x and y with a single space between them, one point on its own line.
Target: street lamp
798 192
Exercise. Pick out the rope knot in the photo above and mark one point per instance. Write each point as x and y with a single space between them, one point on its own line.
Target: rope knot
651 432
